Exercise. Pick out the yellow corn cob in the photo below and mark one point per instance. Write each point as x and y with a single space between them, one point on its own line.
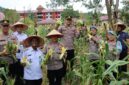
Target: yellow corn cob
47 56
89 36
25 61
63 51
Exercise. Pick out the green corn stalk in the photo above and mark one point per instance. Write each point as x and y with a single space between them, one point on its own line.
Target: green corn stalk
11 49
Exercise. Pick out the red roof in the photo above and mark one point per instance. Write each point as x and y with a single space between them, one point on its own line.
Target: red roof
47 21
104 18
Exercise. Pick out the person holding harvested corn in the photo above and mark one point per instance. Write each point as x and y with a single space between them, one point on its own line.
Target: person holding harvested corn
114 45
7 48
54 58
19 27
123 37
93 39
69 34
32 60
82 28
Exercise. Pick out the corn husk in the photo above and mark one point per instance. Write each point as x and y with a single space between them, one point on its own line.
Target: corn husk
25 61
89 36
48 56
63 51
10 49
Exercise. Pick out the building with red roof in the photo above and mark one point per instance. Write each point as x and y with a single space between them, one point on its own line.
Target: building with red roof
42 15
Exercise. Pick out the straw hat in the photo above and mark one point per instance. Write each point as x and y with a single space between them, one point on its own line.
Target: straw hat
27 41
120 23
19 23
54 33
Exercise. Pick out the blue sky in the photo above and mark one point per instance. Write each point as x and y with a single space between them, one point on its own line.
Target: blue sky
32 4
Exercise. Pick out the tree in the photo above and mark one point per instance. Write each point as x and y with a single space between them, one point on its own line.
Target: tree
125 12
112 11
11 15
69 12
95 7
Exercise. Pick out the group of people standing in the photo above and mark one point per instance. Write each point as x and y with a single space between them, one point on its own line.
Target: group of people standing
30 55
27 70
117 43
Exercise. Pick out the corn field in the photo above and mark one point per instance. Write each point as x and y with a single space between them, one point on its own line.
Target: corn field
83 73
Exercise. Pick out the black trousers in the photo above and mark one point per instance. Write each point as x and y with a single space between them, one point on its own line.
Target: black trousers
19 70
55 76
33 82
70 56
10 70
122 56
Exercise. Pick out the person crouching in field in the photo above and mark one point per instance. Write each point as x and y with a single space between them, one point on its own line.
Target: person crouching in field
94 39
32 60
55 62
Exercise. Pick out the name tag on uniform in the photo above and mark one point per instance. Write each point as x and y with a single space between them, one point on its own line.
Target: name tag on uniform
29 55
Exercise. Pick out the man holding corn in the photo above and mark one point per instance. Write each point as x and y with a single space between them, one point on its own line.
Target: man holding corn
69 33
7 41
123 37
19 27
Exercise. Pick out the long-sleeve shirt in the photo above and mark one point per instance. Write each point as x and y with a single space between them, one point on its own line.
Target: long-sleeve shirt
20 37
94 46
69 33
3 41
54 62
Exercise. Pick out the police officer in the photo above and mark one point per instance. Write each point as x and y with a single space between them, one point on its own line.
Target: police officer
69 33
5 37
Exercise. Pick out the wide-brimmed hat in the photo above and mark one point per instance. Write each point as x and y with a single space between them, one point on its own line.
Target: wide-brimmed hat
27 41
19 23
4 22
54 33
120 23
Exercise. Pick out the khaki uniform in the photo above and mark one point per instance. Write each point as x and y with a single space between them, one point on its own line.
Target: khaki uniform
3 41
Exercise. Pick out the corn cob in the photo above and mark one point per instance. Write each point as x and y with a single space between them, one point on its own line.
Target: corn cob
89 36
63 51
10 49
47 56
25 61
